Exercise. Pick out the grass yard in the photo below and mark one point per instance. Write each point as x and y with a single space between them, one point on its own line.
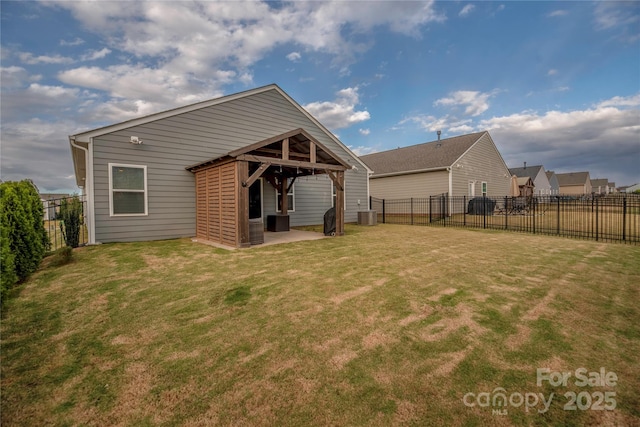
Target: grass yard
388 325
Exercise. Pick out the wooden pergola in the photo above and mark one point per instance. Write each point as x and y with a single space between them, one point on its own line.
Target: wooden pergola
222 183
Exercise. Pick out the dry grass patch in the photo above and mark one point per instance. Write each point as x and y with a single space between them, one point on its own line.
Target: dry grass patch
388 325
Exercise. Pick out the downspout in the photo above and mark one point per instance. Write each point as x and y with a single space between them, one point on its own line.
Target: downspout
450 170
88 187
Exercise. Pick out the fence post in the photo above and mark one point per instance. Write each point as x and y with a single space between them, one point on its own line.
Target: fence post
558 226
411 202
624 218
484 211
596 200
430 209
533 218
383 216
464 209
506 212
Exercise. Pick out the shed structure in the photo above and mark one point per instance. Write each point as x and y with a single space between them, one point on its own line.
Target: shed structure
223 183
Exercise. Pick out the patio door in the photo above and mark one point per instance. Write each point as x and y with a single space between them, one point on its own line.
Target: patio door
255 200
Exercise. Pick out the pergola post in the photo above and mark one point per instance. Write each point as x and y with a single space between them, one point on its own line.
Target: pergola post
340 203
242 203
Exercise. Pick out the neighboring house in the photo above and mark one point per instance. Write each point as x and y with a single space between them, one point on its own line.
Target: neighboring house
526 186
553 182
632 188
139 176
538 177
612 187
574 183
600 186
466 165
51 204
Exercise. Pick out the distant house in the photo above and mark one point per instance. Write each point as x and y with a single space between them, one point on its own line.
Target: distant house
553 182
612 187
526 186
600 186
51 204
466 165
632 188
538 177
574 183
209 168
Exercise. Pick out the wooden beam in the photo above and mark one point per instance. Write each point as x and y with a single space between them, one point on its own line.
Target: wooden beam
285 149
242 203
257 174
312 152
292 163
340 203
291 185
335 180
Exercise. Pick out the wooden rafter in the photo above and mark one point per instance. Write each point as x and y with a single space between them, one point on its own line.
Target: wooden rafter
257 174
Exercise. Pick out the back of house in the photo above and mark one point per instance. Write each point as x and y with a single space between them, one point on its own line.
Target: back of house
138 188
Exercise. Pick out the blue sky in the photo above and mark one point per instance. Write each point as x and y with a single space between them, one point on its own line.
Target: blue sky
555 83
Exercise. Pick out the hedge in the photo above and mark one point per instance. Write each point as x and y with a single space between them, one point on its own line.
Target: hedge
24 238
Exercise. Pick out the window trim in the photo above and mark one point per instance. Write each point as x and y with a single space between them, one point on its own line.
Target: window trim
293 198
111 189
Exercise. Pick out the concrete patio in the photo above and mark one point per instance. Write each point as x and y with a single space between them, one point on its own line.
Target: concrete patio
273 238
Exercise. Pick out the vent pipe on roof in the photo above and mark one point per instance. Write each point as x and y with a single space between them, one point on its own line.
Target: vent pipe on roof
439 133
525 165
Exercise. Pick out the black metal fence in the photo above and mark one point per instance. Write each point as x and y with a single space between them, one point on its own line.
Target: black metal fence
615 217
55 226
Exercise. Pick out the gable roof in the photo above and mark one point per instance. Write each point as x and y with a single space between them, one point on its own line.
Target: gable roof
432 155
550 174
599 182
572 178
86 137
530 171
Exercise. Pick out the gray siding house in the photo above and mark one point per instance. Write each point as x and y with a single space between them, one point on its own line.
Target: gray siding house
553 182
134 174
466 165
538 176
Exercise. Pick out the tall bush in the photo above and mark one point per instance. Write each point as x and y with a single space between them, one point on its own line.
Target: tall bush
24 237
70 217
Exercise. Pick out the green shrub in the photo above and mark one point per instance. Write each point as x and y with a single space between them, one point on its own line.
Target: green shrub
24 238
62 256
70 217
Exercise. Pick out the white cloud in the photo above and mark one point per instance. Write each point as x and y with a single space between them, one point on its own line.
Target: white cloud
29 58
466 11
558 12
552 72
340 113
364 132
96 54
446 123
361 150
75 42
475 102
294 56
621 101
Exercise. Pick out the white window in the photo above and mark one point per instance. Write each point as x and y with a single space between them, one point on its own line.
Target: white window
291 198
472 188
333 196
127 190
484 188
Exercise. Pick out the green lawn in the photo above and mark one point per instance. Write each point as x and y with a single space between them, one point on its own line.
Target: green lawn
388 325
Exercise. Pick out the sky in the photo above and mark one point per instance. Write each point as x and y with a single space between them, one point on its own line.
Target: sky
554 83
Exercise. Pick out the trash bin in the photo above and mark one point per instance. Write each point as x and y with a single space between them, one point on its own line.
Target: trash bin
330 222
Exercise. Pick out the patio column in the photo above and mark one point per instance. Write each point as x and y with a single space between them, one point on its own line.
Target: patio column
242 200
340 203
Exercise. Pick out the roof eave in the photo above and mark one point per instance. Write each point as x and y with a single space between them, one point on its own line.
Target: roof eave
411 172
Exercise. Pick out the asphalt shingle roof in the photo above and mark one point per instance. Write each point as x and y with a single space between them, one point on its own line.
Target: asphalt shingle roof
429 155
572 178
530 171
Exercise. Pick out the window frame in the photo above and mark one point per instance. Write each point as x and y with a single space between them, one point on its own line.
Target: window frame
292 207
484 188
112 190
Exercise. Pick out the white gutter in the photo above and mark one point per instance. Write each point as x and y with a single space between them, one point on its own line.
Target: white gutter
384 175
450 170
88 187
